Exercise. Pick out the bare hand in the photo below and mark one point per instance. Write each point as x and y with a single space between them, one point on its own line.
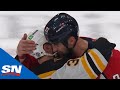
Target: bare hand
25 46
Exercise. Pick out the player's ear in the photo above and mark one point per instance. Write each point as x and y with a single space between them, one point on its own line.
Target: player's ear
71 41
48 48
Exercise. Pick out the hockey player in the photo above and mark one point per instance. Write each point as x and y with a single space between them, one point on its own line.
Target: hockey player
62 31
47 62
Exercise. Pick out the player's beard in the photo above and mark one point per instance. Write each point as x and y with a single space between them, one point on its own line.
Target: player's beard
58 56
69 53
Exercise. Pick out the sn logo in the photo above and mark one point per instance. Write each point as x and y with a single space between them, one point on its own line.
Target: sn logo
13 70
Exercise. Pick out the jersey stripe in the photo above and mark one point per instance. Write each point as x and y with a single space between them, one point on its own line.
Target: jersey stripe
97 60
47 74
87 68
92 64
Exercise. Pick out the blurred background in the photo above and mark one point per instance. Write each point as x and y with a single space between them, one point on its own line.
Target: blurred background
95 24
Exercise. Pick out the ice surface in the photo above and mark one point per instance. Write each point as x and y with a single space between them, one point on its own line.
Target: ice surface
95 24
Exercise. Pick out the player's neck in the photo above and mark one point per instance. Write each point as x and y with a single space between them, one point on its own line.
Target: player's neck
80 47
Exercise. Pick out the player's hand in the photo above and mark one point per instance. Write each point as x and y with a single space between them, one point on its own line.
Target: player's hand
25 46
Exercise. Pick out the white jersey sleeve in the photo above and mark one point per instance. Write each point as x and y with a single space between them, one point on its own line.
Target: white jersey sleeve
89 66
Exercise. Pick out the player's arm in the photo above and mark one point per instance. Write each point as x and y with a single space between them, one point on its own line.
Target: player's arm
24 48
104 47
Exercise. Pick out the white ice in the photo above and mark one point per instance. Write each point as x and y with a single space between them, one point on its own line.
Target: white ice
95 24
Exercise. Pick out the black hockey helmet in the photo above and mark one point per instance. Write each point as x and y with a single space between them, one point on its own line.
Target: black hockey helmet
60 28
